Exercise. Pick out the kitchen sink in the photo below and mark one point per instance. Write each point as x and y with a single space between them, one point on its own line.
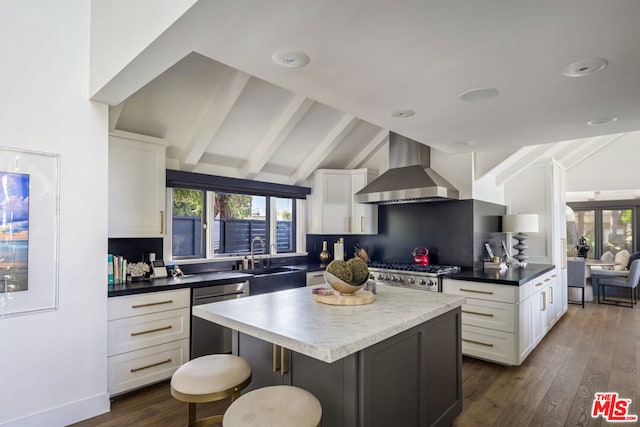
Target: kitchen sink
270 270
271 279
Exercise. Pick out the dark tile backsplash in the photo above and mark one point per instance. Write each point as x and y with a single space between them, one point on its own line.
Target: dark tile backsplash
454 232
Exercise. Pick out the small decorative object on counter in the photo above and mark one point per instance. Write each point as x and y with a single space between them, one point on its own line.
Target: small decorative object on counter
347 277
137 270
338 250
325 255
582 248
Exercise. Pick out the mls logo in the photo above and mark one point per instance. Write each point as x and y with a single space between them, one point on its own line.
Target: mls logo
612 408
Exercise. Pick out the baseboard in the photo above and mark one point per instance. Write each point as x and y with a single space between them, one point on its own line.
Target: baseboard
66 414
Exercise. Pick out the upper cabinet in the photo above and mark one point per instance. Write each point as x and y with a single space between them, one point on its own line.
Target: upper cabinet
136 185
332 207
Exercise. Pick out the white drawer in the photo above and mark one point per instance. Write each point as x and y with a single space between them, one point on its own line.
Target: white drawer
134 333
481 290
139 368
488 344
315 278
489 314
151 302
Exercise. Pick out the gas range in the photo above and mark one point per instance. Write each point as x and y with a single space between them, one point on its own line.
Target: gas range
425 277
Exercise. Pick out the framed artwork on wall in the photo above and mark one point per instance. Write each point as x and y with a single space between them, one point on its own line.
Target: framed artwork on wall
29 231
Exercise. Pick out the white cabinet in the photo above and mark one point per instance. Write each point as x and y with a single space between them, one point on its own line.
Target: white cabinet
147 338
503 323
332 206
136 185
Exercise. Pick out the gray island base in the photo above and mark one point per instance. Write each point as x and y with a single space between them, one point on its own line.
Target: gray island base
396 362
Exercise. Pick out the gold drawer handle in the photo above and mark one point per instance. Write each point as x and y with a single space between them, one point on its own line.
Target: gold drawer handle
152 303
275 358
478 313
478 342
553 275
164 328
546 280
477 292
150 366
539 284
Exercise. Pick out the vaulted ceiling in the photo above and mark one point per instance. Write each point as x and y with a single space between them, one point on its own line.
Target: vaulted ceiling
225 107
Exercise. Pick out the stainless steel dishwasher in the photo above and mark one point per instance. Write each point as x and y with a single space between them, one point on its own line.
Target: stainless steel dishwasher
206 336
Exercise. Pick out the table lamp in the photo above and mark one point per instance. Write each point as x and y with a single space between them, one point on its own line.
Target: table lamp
520 224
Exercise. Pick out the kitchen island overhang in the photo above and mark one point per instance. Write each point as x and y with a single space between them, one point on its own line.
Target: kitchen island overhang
292 319
397 361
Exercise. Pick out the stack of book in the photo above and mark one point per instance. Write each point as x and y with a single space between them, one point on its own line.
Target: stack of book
116 269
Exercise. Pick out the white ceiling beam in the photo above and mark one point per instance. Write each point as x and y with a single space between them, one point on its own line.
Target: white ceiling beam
276 135
114 116
371 148
577 153
224 96
519 161
324 148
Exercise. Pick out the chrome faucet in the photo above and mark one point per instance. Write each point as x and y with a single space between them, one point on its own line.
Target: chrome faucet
253 241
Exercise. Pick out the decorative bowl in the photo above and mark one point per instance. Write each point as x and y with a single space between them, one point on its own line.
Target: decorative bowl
344 288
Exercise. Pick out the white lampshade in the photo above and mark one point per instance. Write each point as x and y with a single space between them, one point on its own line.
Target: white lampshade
520 223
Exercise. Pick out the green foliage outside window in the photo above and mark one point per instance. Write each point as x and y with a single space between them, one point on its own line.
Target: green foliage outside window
187 202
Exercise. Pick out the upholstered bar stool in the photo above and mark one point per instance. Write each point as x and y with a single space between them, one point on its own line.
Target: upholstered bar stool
275 406
209 379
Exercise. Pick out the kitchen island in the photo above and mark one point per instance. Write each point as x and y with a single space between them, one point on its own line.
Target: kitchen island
394 362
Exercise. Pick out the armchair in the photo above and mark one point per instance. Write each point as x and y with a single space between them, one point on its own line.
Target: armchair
630 282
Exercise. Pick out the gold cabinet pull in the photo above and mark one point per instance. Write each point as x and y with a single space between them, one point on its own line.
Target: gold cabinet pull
161 222
477 292
551 297
539 284
547 279
169 301
478 313
150 366
553 275
362 224
275 358
478 342
164 328
544 301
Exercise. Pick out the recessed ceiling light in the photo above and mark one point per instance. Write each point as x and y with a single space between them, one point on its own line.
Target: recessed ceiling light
479 94
291 58
403 113
584 67
602 121
463 144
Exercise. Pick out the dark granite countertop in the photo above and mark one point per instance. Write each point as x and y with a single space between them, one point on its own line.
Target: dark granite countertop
192 281
170 283
513 276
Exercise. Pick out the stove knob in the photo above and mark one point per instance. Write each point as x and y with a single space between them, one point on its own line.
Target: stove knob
423 282
371 276
410 281
394 278
400 279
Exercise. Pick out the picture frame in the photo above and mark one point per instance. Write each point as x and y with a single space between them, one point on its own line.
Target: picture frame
29 231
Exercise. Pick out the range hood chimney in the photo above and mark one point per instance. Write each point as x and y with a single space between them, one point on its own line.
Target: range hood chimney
409 178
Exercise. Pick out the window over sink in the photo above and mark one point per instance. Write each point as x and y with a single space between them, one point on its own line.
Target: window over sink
229 222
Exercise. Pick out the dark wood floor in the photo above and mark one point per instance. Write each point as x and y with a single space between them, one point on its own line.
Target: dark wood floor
595 349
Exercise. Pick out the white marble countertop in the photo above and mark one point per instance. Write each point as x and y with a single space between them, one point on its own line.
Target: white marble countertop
294 320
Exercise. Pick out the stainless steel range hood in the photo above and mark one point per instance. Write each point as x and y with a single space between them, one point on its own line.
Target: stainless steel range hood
409 178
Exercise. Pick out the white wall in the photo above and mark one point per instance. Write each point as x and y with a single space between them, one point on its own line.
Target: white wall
53 364
121 29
